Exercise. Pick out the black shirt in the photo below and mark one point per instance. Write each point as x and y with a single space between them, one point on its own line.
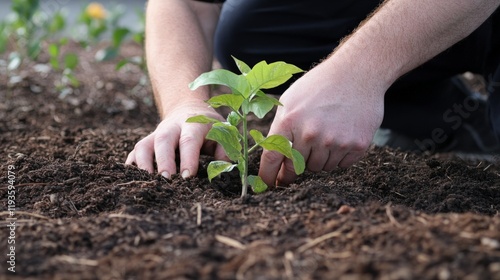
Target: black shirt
211 1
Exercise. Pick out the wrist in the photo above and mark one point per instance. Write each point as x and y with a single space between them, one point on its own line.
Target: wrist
359 69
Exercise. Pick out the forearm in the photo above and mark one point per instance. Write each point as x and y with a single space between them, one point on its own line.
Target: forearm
402 34
178 49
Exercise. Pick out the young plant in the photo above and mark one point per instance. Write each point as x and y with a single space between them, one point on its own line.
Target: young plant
66 65
246 97
25 29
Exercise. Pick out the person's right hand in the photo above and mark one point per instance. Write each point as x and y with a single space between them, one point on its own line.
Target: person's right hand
174 133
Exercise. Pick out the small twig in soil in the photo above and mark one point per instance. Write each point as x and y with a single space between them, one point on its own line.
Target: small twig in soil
318 240
73 260
69 203
487 167
230 242
287 262
71 180
399 194
125 216
393 220
198 214
134 182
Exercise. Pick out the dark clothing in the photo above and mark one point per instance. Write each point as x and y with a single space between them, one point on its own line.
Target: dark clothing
304 32
211 1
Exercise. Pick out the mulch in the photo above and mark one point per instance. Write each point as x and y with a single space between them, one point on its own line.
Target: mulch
83 214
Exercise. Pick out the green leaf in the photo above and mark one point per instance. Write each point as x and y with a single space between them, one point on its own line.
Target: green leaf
106 54
64 41
260 106
245 107
25 9
57 24
119 35
73 81
121 63
138 38
202 119
232 101
96 30
233 119
244 68
282 145
53 50
70 61
258 186
262 94
3 37
263 75
228 137
257 136
54 62
279 144
215 168
237 83
298 162
3 42
34 49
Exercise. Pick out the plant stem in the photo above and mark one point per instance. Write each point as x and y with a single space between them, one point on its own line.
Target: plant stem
244 180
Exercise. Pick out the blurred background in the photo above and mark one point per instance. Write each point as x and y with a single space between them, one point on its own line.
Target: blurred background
72 9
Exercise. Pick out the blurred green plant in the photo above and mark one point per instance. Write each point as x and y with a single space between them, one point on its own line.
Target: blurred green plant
25 29
65 63
27 32
138 37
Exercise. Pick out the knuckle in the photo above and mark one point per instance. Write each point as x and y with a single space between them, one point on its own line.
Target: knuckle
160 138
186 139
359 146
310 135
329 142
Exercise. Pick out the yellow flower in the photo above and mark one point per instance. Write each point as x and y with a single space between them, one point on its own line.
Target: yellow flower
96 11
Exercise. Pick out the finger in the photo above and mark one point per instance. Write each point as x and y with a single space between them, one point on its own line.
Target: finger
130 158
317 159
165 145
190 143
336 156
350 159
144 152
331 164
286 174
270 165
220 154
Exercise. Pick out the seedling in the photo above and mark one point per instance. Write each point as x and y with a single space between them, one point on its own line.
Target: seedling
246 97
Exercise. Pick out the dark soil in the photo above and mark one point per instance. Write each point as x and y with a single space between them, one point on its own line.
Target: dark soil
82 214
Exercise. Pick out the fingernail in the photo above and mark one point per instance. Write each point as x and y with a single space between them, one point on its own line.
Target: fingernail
185 174
165 174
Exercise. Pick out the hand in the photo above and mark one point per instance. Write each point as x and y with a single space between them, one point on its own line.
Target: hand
331 119
172 133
